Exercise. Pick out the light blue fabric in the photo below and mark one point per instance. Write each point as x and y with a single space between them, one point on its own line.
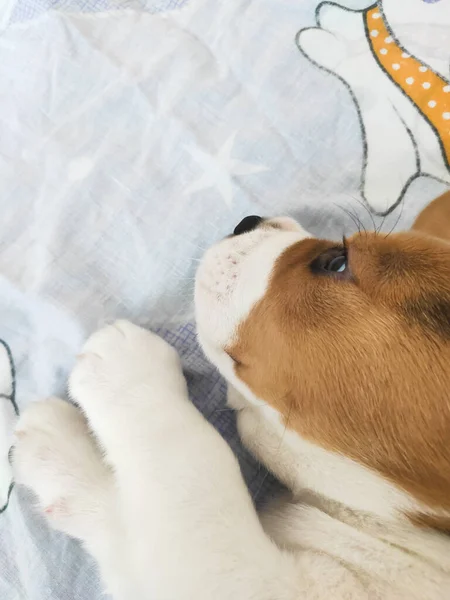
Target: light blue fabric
130 143
25 10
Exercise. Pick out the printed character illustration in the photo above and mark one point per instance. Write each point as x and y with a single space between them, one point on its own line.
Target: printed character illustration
394 58
8 416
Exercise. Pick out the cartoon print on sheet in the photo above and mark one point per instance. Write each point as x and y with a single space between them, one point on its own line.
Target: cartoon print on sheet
8 416
394 58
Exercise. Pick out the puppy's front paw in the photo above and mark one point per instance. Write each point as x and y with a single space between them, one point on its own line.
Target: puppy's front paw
121 358
56 457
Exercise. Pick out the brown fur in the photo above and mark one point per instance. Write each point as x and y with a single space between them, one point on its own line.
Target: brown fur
435 218
361 365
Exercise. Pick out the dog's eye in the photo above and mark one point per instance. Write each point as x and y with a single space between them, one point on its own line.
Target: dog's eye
331 262
337 264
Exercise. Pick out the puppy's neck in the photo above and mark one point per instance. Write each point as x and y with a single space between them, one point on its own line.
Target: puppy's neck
301 464
342 480
429 544
339 486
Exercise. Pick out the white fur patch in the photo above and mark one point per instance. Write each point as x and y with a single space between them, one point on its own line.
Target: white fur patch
232 278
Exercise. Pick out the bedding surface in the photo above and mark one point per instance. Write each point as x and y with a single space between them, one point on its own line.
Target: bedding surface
134 134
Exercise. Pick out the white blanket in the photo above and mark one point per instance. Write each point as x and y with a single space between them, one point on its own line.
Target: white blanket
130 142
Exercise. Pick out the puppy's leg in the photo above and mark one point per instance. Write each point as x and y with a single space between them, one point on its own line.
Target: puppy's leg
191 525
57 458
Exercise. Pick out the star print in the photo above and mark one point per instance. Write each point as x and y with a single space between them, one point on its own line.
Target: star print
220 170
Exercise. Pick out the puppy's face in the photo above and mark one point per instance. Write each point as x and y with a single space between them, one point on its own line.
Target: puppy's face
348 341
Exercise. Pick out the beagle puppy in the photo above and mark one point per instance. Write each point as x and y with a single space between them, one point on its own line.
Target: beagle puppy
338 359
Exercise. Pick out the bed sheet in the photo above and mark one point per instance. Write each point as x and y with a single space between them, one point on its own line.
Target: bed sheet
135 135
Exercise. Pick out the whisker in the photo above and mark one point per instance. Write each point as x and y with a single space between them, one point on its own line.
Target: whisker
356 221
383 221
397 220
367 209
221 410
258 491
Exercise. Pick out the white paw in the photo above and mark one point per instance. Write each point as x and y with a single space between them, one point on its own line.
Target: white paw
121 358
56 457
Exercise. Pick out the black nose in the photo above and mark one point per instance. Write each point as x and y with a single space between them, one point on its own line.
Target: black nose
247 224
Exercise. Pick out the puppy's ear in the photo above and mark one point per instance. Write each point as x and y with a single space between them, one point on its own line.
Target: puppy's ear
435 218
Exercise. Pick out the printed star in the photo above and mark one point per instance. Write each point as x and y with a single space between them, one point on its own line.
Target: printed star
220 169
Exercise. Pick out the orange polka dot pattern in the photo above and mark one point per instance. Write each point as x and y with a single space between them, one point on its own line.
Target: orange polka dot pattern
427 90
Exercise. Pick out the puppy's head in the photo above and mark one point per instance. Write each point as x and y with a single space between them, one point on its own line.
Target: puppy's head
349 341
